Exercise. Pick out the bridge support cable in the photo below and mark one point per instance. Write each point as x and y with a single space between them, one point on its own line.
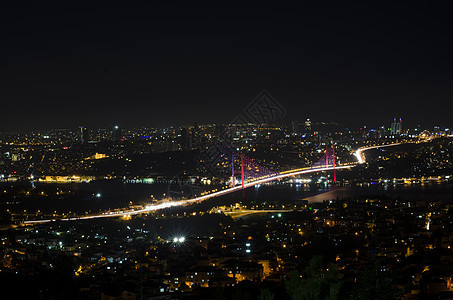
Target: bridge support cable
249 170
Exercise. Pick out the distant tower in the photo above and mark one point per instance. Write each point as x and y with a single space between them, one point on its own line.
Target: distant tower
116 134
83 135
393 127
295 126
382 132
307 125
396 128
399 127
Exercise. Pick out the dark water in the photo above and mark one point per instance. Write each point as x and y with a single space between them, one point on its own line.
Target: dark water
427 192
79 197
117 194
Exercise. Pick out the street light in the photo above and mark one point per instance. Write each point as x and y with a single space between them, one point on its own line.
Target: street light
179 239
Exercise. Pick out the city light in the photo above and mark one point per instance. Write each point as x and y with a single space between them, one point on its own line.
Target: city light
179 239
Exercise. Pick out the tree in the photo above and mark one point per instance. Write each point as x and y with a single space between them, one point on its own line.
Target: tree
5 217
317 283
375 282
265 294
240 295
219 294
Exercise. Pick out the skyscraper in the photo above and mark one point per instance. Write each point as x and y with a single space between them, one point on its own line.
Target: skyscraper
399 127
307 126
83 135
295 126
393 126
116 133
396 128
383 132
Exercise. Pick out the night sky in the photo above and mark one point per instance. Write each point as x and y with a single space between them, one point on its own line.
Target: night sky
65 65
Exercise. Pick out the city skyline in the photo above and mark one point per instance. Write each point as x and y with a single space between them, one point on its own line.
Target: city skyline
386 125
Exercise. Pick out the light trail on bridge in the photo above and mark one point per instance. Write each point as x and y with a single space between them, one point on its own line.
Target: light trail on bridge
358 153
159 206
361 160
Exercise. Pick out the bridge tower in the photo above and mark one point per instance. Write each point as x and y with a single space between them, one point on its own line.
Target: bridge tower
242 170
330 160
233 172
333 160
327 161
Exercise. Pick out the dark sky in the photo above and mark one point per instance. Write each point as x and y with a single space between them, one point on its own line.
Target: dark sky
64 65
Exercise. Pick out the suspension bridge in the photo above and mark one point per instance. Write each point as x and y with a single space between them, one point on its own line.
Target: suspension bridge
245 173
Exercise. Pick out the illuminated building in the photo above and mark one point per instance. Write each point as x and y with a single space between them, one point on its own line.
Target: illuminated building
308 125
396 128
116 134
83 135
97 156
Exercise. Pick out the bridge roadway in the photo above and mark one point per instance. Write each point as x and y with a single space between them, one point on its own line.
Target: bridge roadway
167 204
361 159
358 154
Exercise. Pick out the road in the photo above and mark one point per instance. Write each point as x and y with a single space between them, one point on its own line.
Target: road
359 155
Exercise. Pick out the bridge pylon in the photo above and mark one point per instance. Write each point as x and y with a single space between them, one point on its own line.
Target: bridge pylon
233 171
333 161
328 161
